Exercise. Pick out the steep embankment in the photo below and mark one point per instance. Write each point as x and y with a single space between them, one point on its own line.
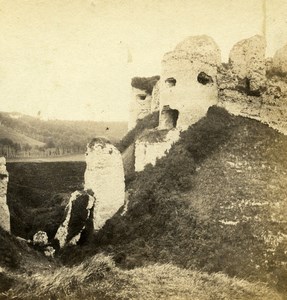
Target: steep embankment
216 202
17 259
38 193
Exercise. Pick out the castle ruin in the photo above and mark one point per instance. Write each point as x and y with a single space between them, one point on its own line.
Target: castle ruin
193 78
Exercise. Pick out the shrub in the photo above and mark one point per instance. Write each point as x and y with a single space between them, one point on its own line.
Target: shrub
145 83
148 122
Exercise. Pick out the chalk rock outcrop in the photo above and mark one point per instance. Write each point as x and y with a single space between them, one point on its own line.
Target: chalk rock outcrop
4 210
188 82
247 60
78 219
279 63
104 175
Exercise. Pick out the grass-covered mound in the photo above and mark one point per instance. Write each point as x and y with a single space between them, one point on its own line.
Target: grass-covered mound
99 278
38 194
216 202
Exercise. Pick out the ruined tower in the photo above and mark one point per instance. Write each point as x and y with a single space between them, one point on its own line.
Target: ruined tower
188 82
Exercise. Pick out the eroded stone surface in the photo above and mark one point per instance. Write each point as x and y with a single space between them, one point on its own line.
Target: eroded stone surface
155 97
105 177
140 106
279 63
148 149
4 210
247 59
78 219
246 90
188 82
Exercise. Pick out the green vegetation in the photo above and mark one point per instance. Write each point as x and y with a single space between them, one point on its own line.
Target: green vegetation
61 137
126 145
216 202
38 194
148 122
145 83
99 278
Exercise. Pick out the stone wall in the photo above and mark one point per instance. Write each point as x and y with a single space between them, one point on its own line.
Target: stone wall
140 106
4 210
247 62
193 79
279 62
152 146
245 89
104 175
188 82
155 97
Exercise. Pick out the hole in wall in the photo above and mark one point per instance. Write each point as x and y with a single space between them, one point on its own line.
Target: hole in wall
170 82
244 87
169 117
204 79
141 97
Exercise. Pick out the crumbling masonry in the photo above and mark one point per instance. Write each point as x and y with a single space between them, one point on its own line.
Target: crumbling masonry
193 79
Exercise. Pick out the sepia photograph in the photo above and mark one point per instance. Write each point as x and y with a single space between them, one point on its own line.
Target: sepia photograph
143 149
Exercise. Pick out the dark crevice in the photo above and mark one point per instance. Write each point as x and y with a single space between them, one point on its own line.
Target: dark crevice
169 117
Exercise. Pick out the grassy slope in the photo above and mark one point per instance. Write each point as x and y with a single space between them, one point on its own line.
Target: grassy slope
16 137
223 169
16 257
98 278
27 129
217 202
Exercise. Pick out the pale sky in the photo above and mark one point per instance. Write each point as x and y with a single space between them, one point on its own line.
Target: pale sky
69 58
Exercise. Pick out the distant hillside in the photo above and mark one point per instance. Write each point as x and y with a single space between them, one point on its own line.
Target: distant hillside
216 202
18 138
62 137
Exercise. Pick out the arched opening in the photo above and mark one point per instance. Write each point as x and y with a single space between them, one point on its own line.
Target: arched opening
170 82
169 117
204 79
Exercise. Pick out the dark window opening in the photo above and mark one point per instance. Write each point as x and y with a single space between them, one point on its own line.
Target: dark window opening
170 82
169 117
141 97
244 87
204 79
